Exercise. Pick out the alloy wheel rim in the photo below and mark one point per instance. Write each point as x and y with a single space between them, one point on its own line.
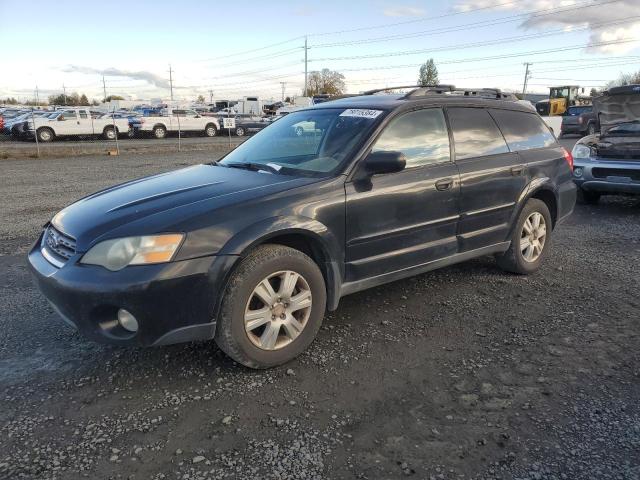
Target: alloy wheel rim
45 135
533 237
278 310
211 131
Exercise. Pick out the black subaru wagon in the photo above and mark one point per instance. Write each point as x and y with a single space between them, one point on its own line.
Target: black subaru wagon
327 201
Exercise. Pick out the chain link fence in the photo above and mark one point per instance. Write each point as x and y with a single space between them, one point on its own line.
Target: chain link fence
120 127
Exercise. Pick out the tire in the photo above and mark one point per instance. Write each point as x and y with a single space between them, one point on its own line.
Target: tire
159 131
240 132
591 130
587 198
514 259
210 130
263 263
109 133
45 135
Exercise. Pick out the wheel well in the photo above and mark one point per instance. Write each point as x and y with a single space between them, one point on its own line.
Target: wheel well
210 124
159 125
549 199
110 126
47 128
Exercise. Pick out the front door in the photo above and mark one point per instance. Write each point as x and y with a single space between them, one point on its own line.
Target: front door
405 219
68 123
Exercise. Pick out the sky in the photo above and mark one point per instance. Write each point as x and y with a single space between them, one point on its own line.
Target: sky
235 49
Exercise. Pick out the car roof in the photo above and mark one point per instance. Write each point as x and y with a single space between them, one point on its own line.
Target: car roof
396 102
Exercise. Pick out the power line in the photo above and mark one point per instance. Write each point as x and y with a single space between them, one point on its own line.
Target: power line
518 38
479 24
251 50
423 19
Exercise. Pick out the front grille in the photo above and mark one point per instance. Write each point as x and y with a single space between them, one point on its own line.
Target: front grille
59 246
616 172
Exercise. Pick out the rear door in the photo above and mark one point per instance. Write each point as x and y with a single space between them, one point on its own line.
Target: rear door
408 218
492 178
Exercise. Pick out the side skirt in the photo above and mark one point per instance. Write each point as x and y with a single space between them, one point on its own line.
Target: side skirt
353 287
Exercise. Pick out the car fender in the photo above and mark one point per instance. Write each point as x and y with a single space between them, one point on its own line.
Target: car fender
320 236
535 185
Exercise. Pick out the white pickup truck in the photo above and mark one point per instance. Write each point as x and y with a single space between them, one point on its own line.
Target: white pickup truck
172 120
76 122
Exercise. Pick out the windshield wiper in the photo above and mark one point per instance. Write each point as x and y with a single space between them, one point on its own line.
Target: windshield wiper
253 166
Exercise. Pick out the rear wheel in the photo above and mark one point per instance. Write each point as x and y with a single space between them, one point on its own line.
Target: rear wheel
159 131
272 308
45 134
240 132
530 239
587 198
109 133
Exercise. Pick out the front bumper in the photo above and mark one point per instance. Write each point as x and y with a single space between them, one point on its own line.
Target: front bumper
606 175
173 302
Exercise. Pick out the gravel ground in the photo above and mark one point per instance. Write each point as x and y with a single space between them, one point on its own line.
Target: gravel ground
465 372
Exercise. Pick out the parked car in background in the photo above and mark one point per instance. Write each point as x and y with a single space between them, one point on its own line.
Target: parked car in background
608 162
574 122
76 122
252 249
247 124
172 120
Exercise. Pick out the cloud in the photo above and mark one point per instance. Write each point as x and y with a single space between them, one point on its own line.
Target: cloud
591 16
148 77
404 11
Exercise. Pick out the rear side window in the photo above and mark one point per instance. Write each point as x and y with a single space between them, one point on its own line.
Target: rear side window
421 135
475 134
522 130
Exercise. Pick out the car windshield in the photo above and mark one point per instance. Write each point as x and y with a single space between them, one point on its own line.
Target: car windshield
629 128
575 111
309 142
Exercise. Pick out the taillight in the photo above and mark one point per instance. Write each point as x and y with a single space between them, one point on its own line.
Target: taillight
568 157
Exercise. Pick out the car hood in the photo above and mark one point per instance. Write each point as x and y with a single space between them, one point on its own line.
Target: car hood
616 108
90 218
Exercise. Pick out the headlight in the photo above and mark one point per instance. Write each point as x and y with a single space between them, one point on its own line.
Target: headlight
581 151
119 253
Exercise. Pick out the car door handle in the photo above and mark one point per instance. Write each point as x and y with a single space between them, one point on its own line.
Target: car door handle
517 170
444 184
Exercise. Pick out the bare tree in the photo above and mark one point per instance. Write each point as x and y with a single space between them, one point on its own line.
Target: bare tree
625 79
325 81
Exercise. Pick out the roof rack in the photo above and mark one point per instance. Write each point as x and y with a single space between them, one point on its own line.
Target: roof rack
420 91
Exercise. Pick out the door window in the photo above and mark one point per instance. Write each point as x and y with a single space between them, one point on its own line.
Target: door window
475 134
421 135
68 115
523 131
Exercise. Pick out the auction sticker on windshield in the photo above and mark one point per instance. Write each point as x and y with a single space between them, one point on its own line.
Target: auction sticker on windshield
360 112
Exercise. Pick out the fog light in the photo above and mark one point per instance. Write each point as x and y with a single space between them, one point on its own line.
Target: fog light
577 172
127 321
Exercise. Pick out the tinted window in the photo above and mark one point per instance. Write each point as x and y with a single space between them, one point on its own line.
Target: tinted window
475 133
575 111
422 136
523 130
83 114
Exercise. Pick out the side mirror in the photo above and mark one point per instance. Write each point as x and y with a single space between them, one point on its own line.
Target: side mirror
61 118
385 162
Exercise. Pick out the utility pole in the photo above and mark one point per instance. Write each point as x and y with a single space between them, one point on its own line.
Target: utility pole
171 81
37 97
283 84
64 94
306 48
526 77
104 89
210 96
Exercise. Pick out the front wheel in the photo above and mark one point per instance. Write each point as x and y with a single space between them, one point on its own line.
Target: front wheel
211 130
272 307
240 132
530 239
159 131
45 135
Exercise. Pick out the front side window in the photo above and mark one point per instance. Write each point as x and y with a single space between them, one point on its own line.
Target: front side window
83 114
69 115
475 134
522 130
421 135
308 142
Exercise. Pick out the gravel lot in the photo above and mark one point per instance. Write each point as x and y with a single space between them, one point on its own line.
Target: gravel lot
466 372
